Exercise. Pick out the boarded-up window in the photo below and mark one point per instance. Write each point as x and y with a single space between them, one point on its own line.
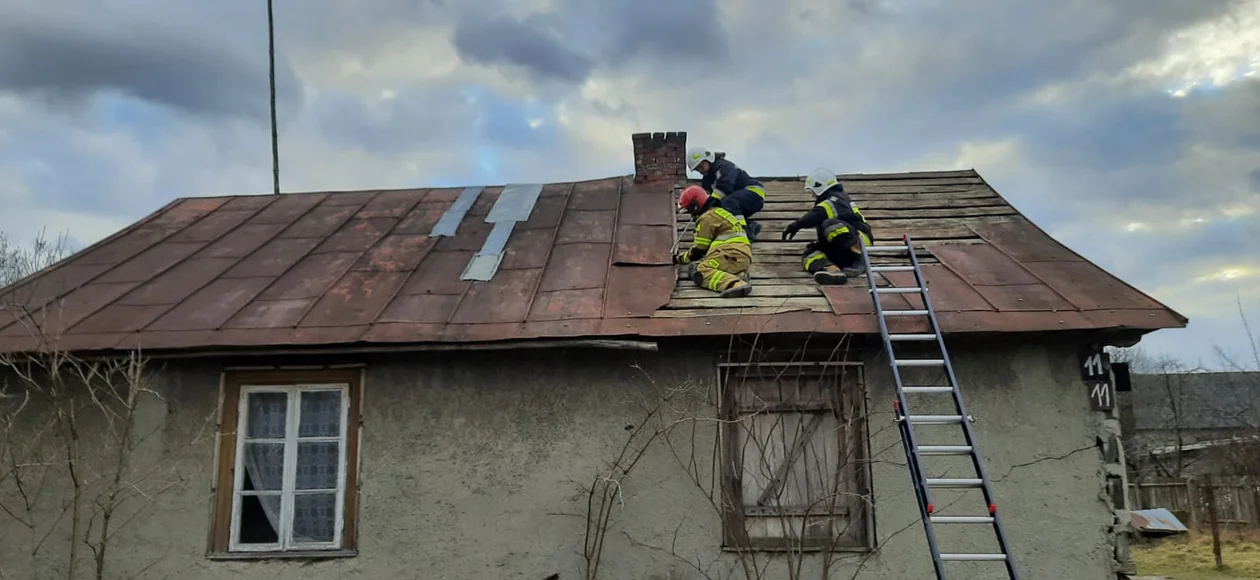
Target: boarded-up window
795 457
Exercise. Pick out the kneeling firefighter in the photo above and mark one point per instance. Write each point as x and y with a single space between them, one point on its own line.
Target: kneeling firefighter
720 256
837 253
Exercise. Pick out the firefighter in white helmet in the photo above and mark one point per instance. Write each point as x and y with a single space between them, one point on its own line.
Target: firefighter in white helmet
837 252
736 191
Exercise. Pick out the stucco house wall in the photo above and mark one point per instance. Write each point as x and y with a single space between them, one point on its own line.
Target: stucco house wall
471 465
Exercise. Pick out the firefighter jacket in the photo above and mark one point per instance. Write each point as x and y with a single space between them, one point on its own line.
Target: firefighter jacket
835 204
717 228
727 178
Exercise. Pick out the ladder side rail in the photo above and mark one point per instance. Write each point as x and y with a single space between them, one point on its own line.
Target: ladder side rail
962 411
902 412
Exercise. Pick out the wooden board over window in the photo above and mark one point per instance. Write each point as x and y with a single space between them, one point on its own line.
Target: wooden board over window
795 457
287 464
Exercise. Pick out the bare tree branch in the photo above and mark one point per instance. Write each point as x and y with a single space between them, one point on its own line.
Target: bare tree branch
73 469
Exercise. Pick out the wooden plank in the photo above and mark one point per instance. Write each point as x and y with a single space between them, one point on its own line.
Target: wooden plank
766 271
890 230
873 215
796 247
910 186
802 280
813 302
707 312
907 175
906 202
894 199
935 174
903 187
760 290
778 224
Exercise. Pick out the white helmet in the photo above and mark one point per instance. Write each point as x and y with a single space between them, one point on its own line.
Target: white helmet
820 180
697 154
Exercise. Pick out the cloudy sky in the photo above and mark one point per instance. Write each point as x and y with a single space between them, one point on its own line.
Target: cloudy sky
1129 129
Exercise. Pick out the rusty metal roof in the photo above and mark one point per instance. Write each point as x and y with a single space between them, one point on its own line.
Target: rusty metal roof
592 259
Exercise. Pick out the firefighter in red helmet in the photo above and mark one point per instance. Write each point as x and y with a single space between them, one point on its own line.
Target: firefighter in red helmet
721 254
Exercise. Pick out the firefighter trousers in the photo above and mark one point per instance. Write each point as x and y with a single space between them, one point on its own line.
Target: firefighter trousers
834 248
722 268
745 202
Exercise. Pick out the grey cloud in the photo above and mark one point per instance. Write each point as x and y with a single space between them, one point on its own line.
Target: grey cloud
582 35
407 122
533 44
686 33
975 55
1228 116
178 61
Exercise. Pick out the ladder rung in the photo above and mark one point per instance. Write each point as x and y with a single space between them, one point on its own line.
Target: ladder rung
921 362
926 389
955 482
905 313
912 337
935 419
944 449
962 519
885 249
898 290
974 557
892 268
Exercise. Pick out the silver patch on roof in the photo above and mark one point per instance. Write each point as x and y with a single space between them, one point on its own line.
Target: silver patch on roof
483 265
449 223
515 203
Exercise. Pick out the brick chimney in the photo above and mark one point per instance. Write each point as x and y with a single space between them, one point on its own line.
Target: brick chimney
660 157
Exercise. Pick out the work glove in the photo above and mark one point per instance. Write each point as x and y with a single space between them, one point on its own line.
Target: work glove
678 258
790 231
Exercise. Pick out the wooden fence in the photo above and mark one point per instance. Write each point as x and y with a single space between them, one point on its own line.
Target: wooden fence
1237 499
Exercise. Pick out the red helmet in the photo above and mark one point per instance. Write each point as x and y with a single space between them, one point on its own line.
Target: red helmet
693 198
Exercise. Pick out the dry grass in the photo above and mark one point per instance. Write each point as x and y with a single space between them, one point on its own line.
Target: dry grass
1189 557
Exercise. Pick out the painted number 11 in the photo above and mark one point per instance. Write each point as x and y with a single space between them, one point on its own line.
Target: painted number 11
1094 365
1101 394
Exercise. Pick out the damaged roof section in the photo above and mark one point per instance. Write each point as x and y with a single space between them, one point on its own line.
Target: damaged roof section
988 267
560 260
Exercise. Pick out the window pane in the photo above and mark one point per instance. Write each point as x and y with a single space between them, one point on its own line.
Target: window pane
260 519
317 465
321 414
264 466
266 415
314 517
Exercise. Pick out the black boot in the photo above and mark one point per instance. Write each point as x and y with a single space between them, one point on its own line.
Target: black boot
830 276
855 270
754 228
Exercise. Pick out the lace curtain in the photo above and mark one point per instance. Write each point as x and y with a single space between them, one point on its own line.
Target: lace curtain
315 485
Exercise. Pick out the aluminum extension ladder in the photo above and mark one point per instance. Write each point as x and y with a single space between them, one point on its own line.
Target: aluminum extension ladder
906 420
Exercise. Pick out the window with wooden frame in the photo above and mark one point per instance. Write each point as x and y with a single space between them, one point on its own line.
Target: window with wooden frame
287 464
794 455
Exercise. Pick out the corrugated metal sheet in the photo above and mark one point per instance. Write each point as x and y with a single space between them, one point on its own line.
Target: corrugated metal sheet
564 260
1157 520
